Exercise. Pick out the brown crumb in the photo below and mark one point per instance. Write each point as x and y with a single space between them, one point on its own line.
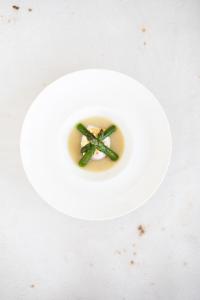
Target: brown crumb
131 262
143 29
32 286
141 230
15 7
29 9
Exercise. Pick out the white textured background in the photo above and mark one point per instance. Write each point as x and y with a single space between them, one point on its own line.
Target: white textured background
48 256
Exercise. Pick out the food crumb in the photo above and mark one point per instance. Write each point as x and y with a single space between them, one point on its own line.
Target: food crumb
132 262
32 286
145 43
141 230
15 7
118 252
134 253
143 29
29 9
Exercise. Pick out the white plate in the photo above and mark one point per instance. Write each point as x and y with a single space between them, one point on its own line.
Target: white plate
83 194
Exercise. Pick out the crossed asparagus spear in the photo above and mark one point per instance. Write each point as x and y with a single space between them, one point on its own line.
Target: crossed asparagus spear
96 143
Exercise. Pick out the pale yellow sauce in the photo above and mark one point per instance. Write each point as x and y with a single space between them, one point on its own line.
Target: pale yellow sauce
117 144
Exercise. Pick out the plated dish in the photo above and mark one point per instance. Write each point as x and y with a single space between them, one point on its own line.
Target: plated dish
95 144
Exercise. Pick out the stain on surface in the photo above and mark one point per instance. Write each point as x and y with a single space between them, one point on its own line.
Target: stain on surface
143 29
91 265
132 262
141 230
144 43
30 9
15 7
134 253
185 263
32 286
118 252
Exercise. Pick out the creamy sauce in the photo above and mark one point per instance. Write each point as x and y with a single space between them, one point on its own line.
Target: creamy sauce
116 142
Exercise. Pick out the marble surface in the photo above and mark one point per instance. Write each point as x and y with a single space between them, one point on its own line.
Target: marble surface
45 255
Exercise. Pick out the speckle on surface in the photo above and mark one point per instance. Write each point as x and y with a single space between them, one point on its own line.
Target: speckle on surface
15 7
141 230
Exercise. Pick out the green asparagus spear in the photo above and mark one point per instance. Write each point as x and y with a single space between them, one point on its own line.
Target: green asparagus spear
109 152
86 148
111 129
87 156
85 131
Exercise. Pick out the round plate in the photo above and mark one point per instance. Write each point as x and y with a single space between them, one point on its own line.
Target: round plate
80 193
